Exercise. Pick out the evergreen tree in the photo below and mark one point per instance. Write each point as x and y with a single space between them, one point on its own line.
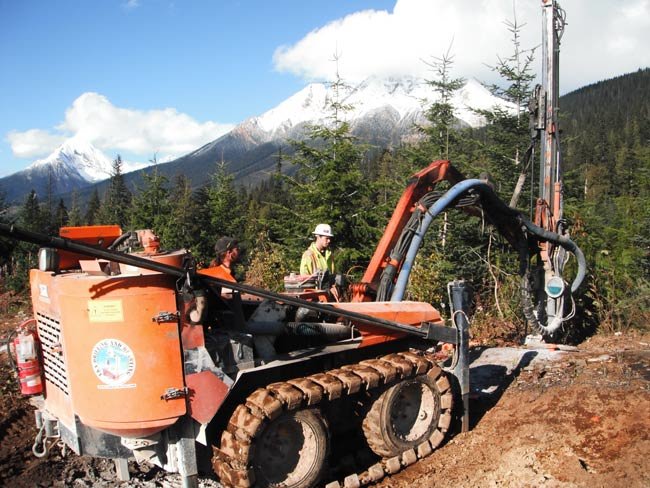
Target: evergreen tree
31 214
442 133
61 215
507 135
150 206
204 239
3 204
48 212
223 204
74 216
268 204
6 245
329 187
23 256
117 201
218 212
93 210
183 229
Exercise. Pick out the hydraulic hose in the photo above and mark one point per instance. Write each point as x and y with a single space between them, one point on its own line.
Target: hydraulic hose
497 210
385 287
318 329
442 203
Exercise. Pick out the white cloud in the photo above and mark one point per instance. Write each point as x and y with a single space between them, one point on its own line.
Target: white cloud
92 117
131 4
602 39
33 143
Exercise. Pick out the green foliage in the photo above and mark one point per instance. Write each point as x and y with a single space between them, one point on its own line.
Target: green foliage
74 216
268 264
94 206
607 152
61 216
7 246
117 202
223 204
329 186
442 133
151 205
503 142
181 225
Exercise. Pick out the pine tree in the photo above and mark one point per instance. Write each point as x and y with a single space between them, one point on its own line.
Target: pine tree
442 132
23 257
223 204
74 216
48 212
150 206
6 245
3 204
204 240
218 212
94 207
183 229
116 204
507 134
61 215
31 214
330 187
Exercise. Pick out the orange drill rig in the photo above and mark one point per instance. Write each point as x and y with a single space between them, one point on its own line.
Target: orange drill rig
145 358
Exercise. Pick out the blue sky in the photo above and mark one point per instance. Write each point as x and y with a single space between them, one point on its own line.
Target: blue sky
163 77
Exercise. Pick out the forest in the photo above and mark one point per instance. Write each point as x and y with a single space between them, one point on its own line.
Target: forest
331 177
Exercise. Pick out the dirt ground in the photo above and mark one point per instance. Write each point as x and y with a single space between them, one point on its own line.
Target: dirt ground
538 418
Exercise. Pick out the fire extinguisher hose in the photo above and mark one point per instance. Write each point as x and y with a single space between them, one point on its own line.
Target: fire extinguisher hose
5 344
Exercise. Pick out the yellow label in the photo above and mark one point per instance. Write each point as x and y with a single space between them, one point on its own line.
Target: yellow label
105 311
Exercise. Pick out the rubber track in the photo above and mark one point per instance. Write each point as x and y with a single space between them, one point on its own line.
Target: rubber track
230 460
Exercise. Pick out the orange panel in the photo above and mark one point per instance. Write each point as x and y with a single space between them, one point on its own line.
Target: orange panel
407 313
94 235
119 361
207 393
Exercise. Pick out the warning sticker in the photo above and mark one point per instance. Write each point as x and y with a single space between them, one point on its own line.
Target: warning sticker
105 311
43 293
113 362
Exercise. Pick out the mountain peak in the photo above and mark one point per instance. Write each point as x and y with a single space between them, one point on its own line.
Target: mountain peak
77 155
406 95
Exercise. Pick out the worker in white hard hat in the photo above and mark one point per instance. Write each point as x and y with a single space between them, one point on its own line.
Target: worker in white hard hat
318 256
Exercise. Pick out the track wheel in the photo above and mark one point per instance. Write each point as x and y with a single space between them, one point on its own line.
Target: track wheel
291 450
403 416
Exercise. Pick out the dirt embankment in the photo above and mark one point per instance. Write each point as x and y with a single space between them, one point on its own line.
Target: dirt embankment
538 417
580 420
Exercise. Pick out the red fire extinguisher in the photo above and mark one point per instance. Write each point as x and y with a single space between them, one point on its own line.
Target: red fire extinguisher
26 349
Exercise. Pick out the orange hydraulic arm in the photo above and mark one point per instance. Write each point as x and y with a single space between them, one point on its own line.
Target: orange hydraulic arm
420 184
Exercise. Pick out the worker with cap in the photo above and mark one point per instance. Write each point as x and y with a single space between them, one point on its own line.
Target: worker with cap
227 255
318 256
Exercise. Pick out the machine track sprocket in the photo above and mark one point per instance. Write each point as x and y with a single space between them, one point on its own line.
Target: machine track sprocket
278 437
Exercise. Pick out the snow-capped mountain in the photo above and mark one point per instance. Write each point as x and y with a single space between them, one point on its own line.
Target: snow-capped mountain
76 158
406 97
73 165
383 112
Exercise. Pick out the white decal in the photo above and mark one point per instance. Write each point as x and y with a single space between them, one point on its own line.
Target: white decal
113 362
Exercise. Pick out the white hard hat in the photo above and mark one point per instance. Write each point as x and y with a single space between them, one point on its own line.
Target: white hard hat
323 230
